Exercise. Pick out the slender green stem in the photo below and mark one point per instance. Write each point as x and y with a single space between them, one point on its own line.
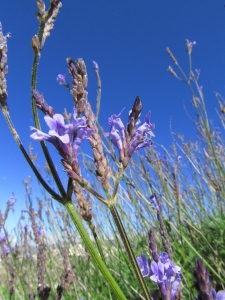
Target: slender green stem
102 256
35 115
130 252
96 258
37 174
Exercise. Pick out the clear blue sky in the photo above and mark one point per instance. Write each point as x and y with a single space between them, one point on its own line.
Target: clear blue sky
128 40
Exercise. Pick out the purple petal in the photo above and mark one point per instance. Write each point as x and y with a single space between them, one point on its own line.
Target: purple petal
144 265
115 138
83 134
38 135
220 295
61 79
95 64
174 287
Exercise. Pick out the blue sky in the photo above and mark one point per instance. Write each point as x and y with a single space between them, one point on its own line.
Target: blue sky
128 40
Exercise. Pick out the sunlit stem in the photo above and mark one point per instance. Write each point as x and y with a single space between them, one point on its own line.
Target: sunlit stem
96 258
130 252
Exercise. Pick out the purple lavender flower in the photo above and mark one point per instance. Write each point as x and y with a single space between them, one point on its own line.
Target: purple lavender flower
189 46
61 79
139 140
154 202
144 265
95 64
164 273
61 134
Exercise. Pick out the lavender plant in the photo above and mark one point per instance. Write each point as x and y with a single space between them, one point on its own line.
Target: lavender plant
66 133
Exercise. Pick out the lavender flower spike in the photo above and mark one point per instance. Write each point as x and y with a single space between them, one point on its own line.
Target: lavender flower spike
61 134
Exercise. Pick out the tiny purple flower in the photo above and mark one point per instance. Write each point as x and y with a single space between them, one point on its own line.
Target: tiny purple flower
95 65
189 46
154 202
139 140
61 79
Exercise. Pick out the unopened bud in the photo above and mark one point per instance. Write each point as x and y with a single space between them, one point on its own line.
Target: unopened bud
36 44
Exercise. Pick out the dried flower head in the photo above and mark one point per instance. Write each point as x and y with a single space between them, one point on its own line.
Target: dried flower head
3 66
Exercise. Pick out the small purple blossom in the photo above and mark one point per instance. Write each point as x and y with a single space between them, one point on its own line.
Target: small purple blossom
139 140
189 46
95 65
154 202
61 79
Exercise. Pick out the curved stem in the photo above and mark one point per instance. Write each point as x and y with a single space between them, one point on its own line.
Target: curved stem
37 174
96 258
130 252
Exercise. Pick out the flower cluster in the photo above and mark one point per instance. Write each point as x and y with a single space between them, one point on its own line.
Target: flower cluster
128 142
61 135
164 273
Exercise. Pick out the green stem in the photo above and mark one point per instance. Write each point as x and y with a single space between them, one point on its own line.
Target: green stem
130 252
102 255
35 115
98 261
